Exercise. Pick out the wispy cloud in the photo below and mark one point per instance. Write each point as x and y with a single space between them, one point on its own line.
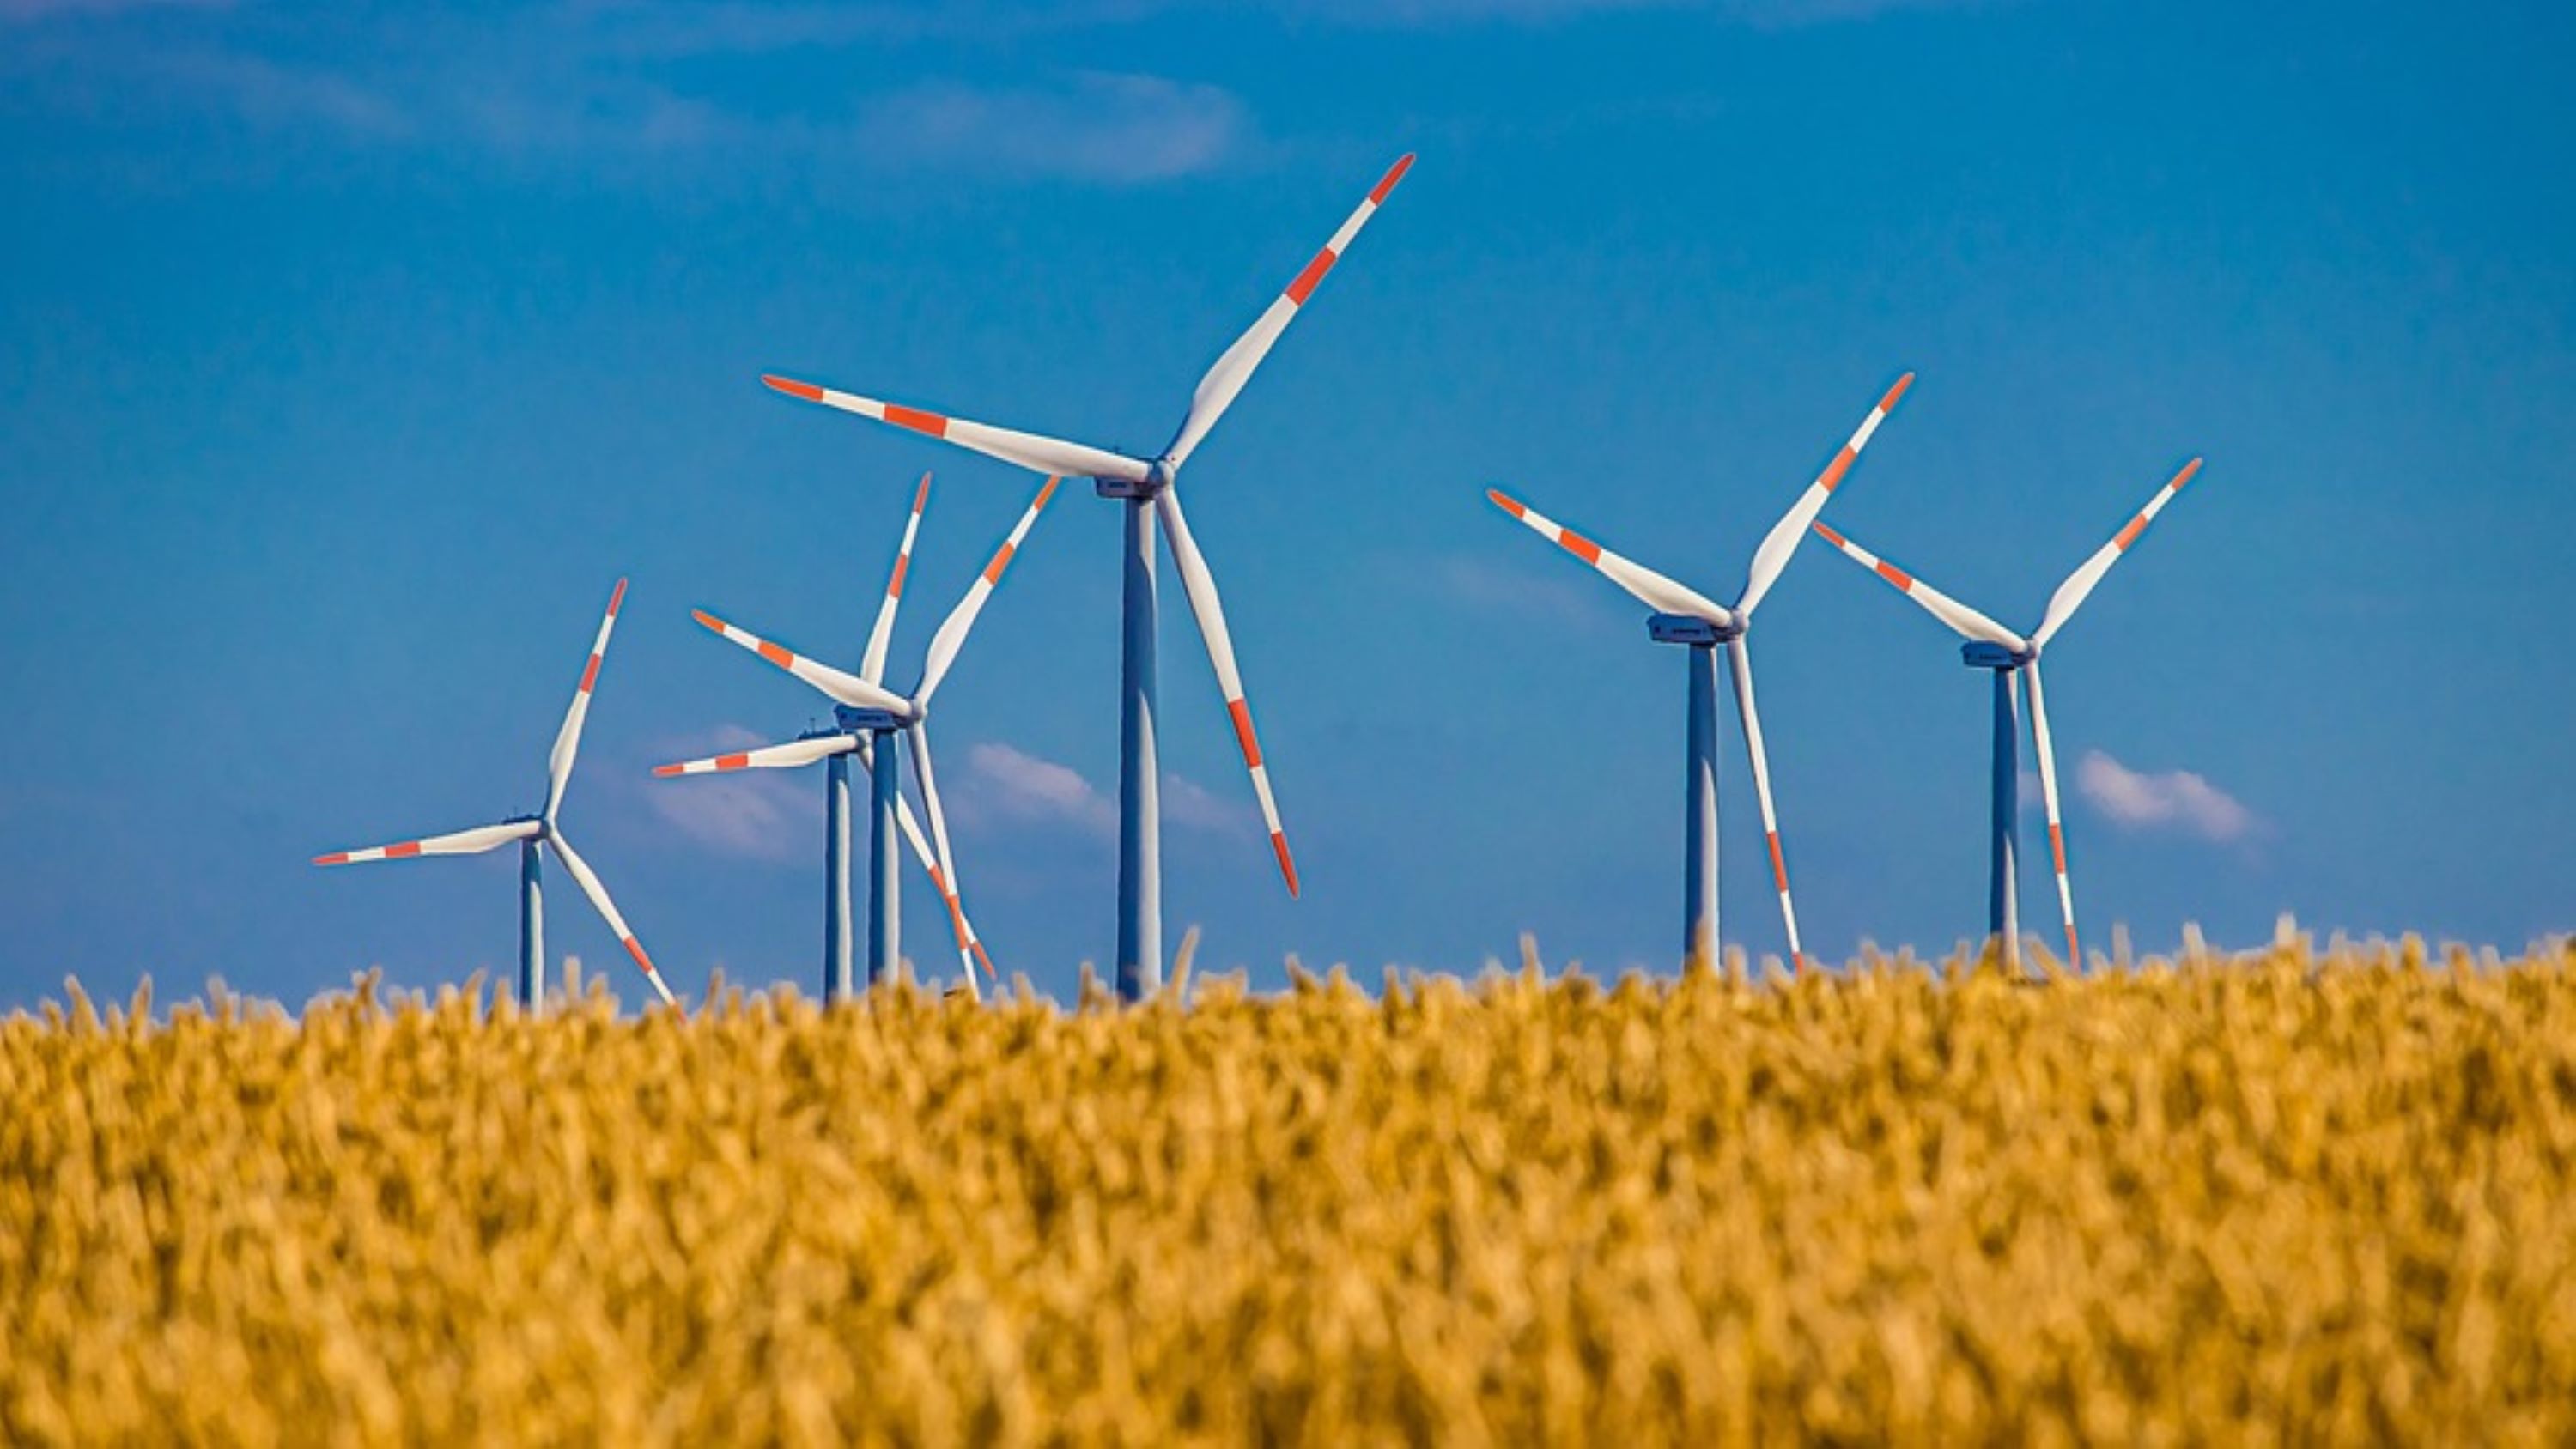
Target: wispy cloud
2173 799
1482 586
768 815
1100 127
1004 785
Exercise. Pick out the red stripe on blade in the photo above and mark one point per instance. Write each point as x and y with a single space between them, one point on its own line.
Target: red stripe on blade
616 597
1827 534
2057 847
894 586
404 851
793 388
1779 867
1287 864
337 857
1243 731
1304 287
590 675
1505 502
1001 561
1895 575
733 762
1835 470
2129 535
635 949
917 420
1579 546
783 658
1386 183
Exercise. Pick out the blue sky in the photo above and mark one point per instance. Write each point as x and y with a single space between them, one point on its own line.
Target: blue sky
348 354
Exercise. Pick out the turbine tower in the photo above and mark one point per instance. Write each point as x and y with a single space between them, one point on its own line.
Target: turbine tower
1148 487
2009 657
870 716
835 744
535 833
1687 617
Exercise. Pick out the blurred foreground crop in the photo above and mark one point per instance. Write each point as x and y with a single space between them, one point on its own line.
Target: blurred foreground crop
2287 1197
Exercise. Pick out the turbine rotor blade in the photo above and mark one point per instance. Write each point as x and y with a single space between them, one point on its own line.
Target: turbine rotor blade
568 739
950 890
1033 451
2070 594
1643 584
768 757
463 842
911 827
588 880
1785 536
846 688
872 664
1967 622
961 620
1224 381
1210 613
2047 752
1741 657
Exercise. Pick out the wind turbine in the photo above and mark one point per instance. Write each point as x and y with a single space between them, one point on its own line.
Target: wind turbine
834 744
863 707
2009 656
1147 486
1685 616
535 832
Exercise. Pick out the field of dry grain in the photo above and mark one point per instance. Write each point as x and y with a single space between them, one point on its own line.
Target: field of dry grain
2287 1197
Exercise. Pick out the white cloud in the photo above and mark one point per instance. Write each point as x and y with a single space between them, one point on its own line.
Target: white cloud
1003 785
1113 128
771 815
2177 799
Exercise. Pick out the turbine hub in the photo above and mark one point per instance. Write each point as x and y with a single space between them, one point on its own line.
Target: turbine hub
1692 629
1984 654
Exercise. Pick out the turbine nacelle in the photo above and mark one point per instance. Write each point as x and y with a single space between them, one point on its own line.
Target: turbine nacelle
851 720
1691 629
1985 654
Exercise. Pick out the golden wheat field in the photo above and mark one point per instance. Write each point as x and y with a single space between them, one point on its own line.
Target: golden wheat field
2287 1198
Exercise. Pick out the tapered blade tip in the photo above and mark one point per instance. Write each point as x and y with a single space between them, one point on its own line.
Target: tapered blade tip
1387 183
337 857
2188 469
617 596
669 769
1896 392
1505 502
1287 862
1826 533
708 620
790 386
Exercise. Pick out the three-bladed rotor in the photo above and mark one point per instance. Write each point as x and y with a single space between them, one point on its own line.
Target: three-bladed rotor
542 827
1155 477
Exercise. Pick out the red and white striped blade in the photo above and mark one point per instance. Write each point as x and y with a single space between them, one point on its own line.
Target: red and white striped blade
872 664
2070 594
1967 622
568 739
2047 752
464 842
1200 585
1741 657
847 688
950 890
961 620
1783 539
1218 389
768 757
1033 451
1645 585
588 880
911 827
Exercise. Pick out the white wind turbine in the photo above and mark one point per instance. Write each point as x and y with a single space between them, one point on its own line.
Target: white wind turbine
1686 616
865 707
534 833
2009 657
1147 485
834 745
